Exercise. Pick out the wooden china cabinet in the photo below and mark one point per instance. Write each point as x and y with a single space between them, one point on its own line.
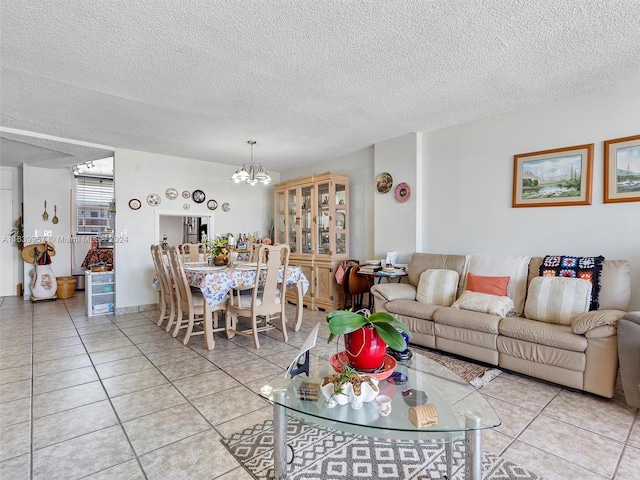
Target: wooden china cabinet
312 216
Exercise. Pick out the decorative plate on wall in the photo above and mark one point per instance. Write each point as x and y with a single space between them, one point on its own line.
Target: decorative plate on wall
186 206
226 207
135 204
198 196
186 194
153 199
171 193
212 204
384 182
403 192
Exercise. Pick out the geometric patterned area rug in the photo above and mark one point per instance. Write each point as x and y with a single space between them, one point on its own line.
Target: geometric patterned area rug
323 455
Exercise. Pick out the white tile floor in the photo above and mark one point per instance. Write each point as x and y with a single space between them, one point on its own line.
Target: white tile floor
115 397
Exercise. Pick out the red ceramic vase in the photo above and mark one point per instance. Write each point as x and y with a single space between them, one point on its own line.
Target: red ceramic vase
365 349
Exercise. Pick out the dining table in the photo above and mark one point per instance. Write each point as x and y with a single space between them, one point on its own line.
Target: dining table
215 283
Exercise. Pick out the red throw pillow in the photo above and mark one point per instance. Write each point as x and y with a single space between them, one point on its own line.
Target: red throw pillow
490 285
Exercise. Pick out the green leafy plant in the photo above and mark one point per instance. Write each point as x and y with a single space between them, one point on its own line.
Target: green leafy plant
387 326
219 248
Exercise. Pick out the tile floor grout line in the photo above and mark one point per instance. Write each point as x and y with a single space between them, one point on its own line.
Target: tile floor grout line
115 412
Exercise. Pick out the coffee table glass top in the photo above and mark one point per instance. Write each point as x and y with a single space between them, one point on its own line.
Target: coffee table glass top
452 397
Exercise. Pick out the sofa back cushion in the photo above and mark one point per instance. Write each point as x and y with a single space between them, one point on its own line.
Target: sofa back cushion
437 286
512 266
615 283
424 261
557 299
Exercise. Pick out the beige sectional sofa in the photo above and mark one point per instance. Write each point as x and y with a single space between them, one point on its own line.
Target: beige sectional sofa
579 351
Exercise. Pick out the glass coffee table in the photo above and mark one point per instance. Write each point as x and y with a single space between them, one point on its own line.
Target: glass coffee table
463 413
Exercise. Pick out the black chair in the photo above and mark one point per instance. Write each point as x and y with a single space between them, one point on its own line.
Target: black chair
355 286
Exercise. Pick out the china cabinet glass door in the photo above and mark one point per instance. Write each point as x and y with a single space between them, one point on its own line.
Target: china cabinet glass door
323 245
292 220
340 220
305 219
280 231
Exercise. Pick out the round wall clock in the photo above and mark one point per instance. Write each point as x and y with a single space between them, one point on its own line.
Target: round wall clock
135 204
403 192
153 199
198 196
384 182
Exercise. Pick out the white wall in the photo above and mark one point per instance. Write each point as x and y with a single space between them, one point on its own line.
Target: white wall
11 261
55 185
469 176
138 174
359 167
398 226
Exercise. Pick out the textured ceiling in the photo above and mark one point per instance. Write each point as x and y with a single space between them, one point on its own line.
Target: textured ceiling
309 80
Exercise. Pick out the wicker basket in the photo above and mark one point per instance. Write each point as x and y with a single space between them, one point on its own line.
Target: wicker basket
66 286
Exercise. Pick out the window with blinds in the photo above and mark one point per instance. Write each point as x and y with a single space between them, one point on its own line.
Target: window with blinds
93 196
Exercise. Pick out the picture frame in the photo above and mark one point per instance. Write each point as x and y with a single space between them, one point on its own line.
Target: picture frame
553 178
622 170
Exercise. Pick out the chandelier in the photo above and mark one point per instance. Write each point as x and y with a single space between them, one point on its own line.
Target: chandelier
251 173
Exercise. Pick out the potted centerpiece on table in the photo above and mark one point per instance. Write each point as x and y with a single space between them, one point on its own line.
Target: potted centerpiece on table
218 250
349 387
366 336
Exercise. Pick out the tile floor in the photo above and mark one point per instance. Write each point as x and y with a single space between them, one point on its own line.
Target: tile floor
115 397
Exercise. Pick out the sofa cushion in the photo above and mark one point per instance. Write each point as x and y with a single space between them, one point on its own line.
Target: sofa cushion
424 261
553 335
411 308
485 303
484 284
557 299
466 319
513 266
437 286
587 268
542 354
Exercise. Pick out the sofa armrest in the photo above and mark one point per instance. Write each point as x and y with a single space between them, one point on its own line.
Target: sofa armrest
632 317
596 318
394 291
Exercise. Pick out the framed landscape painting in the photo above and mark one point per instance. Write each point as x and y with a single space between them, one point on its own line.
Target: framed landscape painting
553 178
622 170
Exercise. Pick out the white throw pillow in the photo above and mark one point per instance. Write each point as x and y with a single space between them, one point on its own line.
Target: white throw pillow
484 302
557 299
437 287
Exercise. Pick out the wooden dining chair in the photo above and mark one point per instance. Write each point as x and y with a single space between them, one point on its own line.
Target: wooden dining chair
191 252
192 307
253 256
355 286
265 301
167 292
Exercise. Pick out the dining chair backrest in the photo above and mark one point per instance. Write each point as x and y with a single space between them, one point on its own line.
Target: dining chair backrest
183 291
162 271
253 257
274 258
167 294
191 252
